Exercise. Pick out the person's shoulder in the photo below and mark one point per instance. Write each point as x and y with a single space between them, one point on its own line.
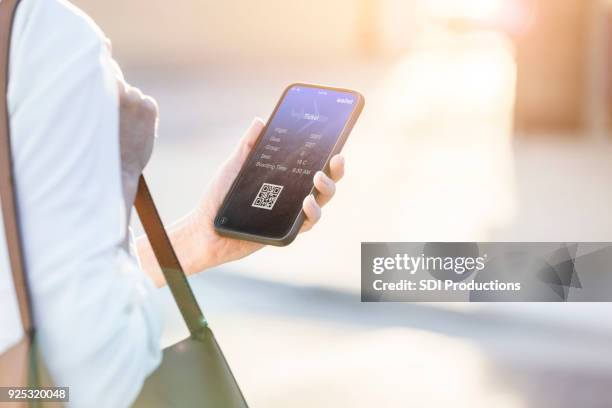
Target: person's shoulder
56 21
53 41
58 58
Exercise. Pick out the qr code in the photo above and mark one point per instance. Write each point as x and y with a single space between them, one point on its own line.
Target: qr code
267 196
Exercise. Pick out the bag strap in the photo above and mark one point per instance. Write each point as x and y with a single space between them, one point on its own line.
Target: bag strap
168 261
7 187
149 216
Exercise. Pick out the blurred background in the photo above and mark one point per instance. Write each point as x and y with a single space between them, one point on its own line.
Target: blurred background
486 120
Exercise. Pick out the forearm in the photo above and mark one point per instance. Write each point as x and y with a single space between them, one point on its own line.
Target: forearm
189 245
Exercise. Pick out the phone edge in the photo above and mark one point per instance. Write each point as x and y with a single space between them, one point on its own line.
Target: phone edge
299 220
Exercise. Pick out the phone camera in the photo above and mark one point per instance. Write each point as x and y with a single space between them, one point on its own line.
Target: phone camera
223 220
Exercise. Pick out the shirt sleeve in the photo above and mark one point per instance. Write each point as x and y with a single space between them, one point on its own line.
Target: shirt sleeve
95 311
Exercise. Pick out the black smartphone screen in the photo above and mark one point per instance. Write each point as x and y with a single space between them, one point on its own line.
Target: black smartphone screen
305 129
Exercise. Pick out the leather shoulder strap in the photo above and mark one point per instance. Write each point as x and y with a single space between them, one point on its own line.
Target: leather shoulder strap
25 355
168 261
7 187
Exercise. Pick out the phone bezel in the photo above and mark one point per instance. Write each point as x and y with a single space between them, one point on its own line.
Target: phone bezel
300 217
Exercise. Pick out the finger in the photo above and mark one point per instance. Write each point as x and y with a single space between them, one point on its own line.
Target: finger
336 167
325 186
250 137
248 142
235 162
312 211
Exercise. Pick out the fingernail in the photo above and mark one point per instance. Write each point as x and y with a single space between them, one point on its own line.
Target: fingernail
320 177
311 201
325 178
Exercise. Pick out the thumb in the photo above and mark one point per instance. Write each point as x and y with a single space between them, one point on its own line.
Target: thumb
245 146
231 168
250 138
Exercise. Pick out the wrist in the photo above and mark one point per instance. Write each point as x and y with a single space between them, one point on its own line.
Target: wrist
192 243
186 243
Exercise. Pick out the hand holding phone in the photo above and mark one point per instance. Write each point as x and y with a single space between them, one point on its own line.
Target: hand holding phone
309 125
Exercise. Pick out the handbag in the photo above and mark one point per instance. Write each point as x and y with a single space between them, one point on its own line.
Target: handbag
193 372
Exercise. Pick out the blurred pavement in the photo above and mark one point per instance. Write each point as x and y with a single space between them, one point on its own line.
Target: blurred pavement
290 320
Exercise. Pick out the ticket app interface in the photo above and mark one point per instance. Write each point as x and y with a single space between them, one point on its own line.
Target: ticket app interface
279 175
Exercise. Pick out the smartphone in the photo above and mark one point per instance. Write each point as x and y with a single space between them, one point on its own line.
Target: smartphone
309 125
